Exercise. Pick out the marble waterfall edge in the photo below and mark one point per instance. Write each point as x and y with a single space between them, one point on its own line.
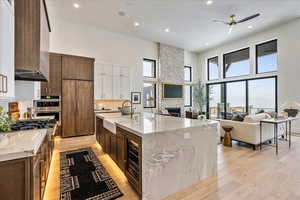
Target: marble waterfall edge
177 159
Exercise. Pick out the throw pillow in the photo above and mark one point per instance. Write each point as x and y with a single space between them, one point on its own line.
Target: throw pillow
237 117
256 118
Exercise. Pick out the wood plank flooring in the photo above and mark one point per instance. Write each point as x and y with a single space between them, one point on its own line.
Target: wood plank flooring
243 174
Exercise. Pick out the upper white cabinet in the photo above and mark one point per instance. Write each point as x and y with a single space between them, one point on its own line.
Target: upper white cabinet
111 82
7 84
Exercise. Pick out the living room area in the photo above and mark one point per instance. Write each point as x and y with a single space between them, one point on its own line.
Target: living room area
254 78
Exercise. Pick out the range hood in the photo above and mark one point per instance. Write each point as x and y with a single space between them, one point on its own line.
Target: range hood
28 75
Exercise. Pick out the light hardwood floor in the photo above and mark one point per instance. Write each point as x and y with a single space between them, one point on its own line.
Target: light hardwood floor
243 174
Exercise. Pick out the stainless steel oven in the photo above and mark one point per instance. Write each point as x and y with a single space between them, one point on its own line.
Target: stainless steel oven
48 106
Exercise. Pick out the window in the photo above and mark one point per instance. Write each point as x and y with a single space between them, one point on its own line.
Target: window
236 97
266 57
216 102
262 95
149 67
187 74
213 68
245 96
187 95
237 63
149 98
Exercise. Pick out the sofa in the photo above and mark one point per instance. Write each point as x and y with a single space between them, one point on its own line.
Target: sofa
248 130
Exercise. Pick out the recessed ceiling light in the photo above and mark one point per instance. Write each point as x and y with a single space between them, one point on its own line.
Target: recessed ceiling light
167 30
250 27
136 24
209 2
206 44
76 5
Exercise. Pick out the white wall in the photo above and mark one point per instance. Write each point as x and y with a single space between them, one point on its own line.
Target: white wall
104 46
288 59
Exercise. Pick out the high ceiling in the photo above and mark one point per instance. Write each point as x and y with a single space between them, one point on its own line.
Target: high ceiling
189 21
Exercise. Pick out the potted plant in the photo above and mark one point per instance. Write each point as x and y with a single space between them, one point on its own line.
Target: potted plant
5 121
199 95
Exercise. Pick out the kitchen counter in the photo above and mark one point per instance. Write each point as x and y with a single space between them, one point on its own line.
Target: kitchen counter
176 152
21 144
148 123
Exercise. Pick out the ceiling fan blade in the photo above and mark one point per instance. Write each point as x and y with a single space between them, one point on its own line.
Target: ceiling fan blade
248 18
220 21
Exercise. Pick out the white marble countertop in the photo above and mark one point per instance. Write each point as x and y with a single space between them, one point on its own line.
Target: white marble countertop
148 123
21 144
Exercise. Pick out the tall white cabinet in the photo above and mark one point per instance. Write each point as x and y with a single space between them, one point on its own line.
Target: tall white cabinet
111 82
7 84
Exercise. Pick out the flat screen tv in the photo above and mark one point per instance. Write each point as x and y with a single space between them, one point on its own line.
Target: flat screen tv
172 91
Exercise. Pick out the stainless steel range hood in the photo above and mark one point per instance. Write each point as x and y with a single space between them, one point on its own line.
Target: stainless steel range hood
27 75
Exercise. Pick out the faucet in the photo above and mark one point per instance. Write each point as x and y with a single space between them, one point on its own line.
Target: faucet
131 107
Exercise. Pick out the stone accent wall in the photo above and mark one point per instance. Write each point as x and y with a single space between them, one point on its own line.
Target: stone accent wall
171 69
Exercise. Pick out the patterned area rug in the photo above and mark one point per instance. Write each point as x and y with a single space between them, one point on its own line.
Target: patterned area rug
83 177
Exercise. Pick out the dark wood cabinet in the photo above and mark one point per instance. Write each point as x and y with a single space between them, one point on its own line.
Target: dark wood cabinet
53 86
76 67
69 106
25 179
77 108
100 135
121 156
77 95
85 107
32 37
125 149
15 179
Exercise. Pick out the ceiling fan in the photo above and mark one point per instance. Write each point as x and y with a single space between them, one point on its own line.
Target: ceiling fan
233 22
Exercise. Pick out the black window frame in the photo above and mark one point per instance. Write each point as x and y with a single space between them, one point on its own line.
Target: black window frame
224 72
208 71
150 60
191 96
155 98
223 84
191 73
256 56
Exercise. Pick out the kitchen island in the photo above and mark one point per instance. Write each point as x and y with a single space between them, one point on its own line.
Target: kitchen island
25 158
159 155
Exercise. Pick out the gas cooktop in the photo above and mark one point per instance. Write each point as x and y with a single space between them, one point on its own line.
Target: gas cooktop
32 124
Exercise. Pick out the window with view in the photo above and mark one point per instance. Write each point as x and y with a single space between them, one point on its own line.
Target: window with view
149 68
187 74
245 96
149 95
237 63
187 95
266 57
213 68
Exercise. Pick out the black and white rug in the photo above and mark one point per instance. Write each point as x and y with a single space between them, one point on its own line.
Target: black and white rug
83 177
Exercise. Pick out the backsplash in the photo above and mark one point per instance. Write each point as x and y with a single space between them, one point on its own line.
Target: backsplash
171 69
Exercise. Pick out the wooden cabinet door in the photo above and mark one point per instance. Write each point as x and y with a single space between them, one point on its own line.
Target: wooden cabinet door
113 146
53 86
107 141
121 159
75 67
69 103
36 179
85 108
